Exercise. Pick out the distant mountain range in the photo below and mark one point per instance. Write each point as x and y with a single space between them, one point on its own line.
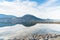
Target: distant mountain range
7 16
26 20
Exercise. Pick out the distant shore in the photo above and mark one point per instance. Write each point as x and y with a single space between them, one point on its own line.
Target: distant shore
50 22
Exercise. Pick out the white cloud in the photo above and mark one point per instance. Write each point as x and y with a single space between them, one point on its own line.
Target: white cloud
50 11
27 7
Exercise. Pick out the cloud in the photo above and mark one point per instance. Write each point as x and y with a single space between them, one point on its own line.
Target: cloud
9 0
50 10
18 8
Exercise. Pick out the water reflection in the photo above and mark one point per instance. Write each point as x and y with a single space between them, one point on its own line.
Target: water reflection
18 30
10 24
6 24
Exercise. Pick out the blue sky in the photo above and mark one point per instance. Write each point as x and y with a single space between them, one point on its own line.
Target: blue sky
39 1
38 8
57 3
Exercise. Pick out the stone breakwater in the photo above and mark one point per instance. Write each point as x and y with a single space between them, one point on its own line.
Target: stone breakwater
38 37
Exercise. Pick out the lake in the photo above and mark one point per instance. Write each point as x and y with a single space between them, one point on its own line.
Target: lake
20 30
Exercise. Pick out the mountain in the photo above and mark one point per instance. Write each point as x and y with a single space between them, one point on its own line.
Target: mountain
26 20
31 17
28 17
7 16
29 20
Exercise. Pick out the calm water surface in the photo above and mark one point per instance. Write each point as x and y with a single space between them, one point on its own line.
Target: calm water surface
16 30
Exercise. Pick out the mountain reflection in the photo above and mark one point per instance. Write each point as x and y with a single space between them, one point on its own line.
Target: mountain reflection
26 20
